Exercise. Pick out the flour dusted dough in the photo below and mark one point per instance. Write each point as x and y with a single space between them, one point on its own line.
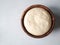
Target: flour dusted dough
37 21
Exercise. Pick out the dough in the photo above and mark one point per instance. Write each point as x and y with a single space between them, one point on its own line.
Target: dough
37 21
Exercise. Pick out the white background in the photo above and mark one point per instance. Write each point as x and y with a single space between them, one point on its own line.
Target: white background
10 31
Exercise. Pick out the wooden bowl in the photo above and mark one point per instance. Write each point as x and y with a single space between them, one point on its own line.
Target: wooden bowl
52 20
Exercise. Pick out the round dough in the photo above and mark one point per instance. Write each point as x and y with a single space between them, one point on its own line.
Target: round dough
37 21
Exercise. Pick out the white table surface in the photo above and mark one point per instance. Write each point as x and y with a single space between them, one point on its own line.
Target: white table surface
10 31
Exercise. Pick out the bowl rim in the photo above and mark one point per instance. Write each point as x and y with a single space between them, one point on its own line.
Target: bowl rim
52 20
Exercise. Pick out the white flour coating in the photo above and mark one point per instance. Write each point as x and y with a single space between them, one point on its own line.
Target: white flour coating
37 21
